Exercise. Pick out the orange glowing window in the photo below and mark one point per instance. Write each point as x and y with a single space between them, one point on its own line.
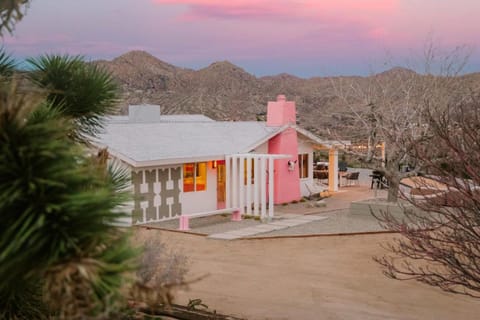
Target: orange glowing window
201 176
194 177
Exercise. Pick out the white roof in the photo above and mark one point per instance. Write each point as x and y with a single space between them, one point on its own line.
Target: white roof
164 142
165 118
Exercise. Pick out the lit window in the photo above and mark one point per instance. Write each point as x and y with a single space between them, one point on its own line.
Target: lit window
194 177
303 165
201 176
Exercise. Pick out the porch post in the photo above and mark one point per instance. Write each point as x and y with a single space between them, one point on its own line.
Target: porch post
249 185
234 182
256 183
271 201
333 169
228 181
263 186
241 186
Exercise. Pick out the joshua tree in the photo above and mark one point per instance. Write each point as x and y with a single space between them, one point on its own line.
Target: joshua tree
11 11
81 92
60 252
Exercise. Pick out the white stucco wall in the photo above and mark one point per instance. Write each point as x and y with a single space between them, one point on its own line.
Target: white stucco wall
305 147
201 201
263 148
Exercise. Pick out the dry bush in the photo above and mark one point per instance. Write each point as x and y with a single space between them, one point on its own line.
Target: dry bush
440 243
160 271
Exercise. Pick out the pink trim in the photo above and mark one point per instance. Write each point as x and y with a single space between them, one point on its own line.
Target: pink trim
236 215
184 223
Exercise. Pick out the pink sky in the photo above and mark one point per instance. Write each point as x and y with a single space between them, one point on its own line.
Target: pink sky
301 37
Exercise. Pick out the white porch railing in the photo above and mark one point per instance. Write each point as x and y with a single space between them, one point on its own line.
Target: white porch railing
251 196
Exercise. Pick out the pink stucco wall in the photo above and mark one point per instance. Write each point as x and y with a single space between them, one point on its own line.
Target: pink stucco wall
287 182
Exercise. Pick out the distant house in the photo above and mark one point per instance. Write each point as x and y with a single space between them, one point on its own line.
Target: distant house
185 164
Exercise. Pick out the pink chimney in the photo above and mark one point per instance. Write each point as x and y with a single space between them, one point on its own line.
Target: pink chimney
287 179
281 112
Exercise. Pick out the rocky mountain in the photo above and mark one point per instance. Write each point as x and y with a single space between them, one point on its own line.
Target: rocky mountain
224 91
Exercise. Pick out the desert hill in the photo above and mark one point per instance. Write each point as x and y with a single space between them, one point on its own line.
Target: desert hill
224 91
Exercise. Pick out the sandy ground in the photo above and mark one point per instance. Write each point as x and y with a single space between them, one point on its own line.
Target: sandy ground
328 277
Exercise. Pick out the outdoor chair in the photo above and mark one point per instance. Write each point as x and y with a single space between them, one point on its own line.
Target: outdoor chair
320 174
314 189
351 178
379 179
342 166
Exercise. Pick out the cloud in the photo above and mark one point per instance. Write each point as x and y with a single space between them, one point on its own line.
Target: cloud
306 28
292 9
233 9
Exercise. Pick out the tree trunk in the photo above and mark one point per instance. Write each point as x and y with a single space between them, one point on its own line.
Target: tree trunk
393 176
184 313
393 186
370 152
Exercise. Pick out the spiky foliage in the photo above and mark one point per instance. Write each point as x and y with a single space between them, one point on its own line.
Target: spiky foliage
7 64
81 91
11 11
57 209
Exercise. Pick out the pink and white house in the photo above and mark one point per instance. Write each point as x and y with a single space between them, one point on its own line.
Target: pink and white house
190 164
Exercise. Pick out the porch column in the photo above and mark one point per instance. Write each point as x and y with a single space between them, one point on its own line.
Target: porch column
271 201
263 186
234 182
256 184
241 185
249 186
228 183
333 169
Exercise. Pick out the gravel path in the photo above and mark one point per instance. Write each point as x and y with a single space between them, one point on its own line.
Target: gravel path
339 220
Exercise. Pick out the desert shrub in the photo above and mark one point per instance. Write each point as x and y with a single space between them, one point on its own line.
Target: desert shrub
160 270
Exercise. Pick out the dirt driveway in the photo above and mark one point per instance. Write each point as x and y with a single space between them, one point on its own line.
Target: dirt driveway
330 277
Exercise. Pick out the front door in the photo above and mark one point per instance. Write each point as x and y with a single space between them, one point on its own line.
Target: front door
221 184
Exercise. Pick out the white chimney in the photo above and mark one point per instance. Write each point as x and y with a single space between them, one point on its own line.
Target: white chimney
144 113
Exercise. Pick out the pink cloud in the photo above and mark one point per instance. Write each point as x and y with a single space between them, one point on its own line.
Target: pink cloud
298 9
355 18
204 9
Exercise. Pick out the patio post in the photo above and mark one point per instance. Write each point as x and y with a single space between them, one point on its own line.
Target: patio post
263 187
270 187
256 186
333 170
241 195
228 180
234 182
249 186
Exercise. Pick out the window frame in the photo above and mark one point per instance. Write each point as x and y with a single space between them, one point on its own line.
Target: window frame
303 157
195 175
